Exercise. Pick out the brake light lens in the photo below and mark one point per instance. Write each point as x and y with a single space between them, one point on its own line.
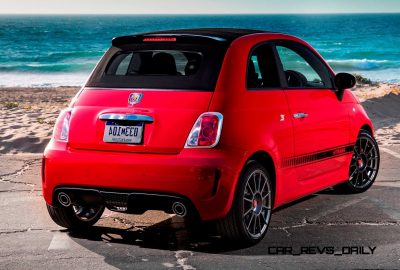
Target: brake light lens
61 129
206 131
159 39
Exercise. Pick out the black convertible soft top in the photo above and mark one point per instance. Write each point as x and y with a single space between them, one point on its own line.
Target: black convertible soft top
226 35
210 44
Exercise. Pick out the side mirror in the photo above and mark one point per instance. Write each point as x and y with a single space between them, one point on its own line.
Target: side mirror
344 81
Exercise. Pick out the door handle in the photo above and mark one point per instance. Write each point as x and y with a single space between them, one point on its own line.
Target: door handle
300 115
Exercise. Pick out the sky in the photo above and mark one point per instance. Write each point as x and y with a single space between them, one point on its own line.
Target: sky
196 7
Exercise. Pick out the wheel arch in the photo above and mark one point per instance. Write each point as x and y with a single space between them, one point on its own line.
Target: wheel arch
367 128
266 160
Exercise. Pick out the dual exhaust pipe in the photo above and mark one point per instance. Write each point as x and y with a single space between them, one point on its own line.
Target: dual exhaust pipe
178 208
64 199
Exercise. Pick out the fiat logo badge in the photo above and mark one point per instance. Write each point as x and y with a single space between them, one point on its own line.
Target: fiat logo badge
134 98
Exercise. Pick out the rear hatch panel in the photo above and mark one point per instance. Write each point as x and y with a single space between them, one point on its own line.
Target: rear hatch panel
173 114
174 78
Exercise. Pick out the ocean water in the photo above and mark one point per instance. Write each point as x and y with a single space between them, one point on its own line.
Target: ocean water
62 50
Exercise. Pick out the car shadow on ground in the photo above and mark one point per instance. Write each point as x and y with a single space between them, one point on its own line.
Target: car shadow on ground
172 234
289 228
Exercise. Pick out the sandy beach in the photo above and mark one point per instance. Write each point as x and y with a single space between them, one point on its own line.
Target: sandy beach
27 115
382 103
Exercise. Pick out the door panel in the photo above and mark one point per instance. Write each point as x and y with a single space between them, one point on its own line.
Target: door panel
320 120
321 134
325 124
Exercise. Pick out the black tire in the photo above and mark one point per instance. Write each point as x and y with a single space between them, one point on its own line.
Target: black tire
68 217
364 165
236 226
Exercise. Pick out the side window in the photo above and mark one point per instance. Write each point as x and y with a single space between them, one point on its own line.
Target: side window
254 59
262 70
122 69
302 68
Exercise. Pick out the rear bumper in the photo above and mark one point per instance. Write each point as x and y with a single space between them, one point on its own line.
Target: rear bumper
205 177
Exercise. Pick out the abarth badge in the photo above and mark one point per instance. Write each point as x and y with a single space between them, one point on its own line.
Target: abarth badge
134 98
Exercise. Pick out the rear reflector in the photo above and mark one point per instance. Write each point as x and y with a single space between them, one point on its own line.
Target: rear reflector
206 131
159 39
43 169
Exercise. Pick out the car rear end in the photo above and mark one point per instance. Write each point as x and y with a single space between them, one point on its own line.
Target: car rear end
140 135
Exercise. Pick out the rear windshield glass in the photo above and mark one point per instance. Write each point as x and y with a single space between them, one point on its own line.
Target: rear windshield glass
188 67
153 63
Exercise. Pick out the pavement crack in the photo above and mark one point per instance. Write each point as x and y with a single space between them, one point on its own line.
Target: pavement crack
27 230
20 190
182 259
14 231
25 166
6 177
16 182
306 222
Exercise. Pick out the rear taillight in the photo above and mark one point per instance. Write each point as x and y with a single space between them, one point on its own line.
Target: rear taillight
61 129
206 131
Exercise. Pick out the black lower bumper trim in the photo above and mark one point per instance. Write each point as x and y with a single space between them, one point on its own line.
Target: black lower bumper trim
123 201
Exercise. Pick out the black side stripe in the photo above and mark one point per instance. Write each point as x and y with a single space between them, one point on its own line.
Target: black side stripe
317 156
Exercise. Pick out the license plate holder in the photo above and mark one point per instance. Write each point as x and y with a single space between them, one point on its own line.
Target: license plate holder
124 133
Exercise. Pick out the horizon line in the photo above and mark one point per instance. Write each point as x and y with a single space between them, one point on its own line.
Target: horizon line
185 14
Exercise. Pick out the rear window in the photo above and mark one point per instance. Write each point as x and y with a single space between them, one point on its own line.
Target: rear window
163 66
153 63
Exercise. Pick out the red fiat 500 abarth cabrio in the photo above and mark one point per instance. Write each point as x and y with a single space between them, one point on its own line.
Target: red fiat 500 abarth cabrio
223 124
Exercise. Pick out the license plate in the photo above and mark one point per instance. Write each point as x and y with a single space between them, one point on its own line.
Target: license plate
115 133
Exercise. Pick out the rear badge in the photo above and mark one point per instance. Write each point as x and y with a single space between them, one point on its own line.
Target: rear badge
134 98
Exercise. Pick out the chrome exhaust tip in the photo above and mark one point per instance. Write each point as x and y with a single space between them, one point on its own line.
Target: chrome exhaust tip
179 209
64 199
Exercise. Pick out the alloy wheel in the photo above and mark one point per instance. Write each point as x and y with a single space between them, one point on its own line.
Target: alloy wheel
364 163
87 213
257 202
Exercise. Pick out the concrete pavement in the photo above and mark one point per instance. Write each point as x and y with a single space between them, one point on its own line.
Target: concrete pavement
326 230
